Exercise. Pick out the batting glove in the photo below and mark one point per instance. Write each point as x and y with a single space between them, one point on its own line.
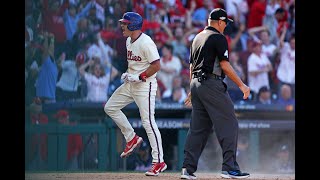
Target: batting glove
133 78
124 77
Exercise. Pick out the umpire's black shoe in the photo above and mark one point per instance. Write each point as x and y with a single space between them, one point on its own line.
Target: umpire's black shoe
186 175
234 174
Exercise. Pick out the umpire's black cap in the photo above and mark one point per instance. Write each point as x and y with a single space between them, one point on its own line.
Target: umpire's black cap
219 14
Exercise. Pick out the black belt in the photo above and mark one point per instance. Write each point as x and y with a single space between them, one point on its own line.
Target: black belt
210 75
216 76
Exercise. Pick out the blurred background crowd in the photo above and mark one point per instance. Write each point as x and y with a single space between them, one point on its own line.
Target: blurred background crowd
75 51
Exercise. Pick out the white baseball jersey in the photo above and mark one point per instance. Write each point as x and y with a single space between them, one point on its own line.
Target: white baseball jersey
140 54
256 63
97 87
286 69
269 49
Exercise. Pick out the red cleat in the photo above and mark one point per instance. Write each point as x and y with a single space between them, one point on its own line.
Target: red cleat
156 169
131 145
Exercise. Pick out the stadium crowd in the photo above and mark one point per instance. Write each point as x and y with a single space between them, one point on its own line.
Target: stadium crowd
75 51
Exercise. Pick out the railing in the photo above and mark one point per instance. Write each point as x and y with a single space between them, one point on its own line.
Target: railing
57 142
251 117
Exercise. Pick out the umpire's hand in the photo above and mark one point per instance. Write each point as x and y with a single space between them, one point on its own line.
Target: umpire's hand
187 101
245 90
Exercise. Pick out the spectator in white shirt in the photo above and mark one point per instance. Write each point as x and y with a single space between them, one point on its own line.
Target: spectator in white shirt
259 67
262 34
97 81
68 84
286 68
170 66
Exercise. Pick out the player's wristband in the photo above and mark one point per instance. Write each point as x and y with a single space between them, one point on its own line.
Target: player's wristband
143 76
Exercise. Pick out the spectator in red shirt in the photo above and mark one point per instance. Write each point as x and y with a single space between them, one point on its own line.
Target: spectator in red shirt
281 17
53 22
199 3
256 13
39 142
74 146
177 11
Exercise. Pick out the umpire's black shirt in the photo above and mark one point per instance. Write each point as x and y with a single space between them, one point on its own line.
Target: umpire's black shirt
208 48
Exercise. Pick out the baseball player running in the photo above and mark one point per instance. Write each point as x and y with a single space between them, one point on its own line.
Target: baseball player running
140 85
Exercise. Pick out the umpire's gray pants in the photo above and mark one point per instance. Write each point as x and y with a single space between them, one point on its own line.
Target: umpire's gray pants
211 106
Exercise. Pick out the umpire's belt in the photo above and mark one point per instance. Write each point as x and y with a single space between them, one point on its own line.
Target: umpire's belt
215 76
209 75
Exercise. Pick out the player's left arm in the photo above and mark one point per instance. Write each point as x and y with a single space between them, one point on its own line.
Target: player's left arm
152 54
152 69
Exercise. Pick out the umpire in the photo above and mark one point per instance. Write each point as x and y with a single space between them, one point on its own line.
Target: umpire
211 103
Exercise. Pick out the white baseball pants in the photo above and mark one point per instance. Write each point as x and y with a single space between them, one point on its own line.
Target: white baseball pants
143 94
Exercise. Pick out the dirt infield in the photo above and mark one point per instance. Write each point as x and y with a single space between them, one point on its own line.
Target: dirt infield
141 176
